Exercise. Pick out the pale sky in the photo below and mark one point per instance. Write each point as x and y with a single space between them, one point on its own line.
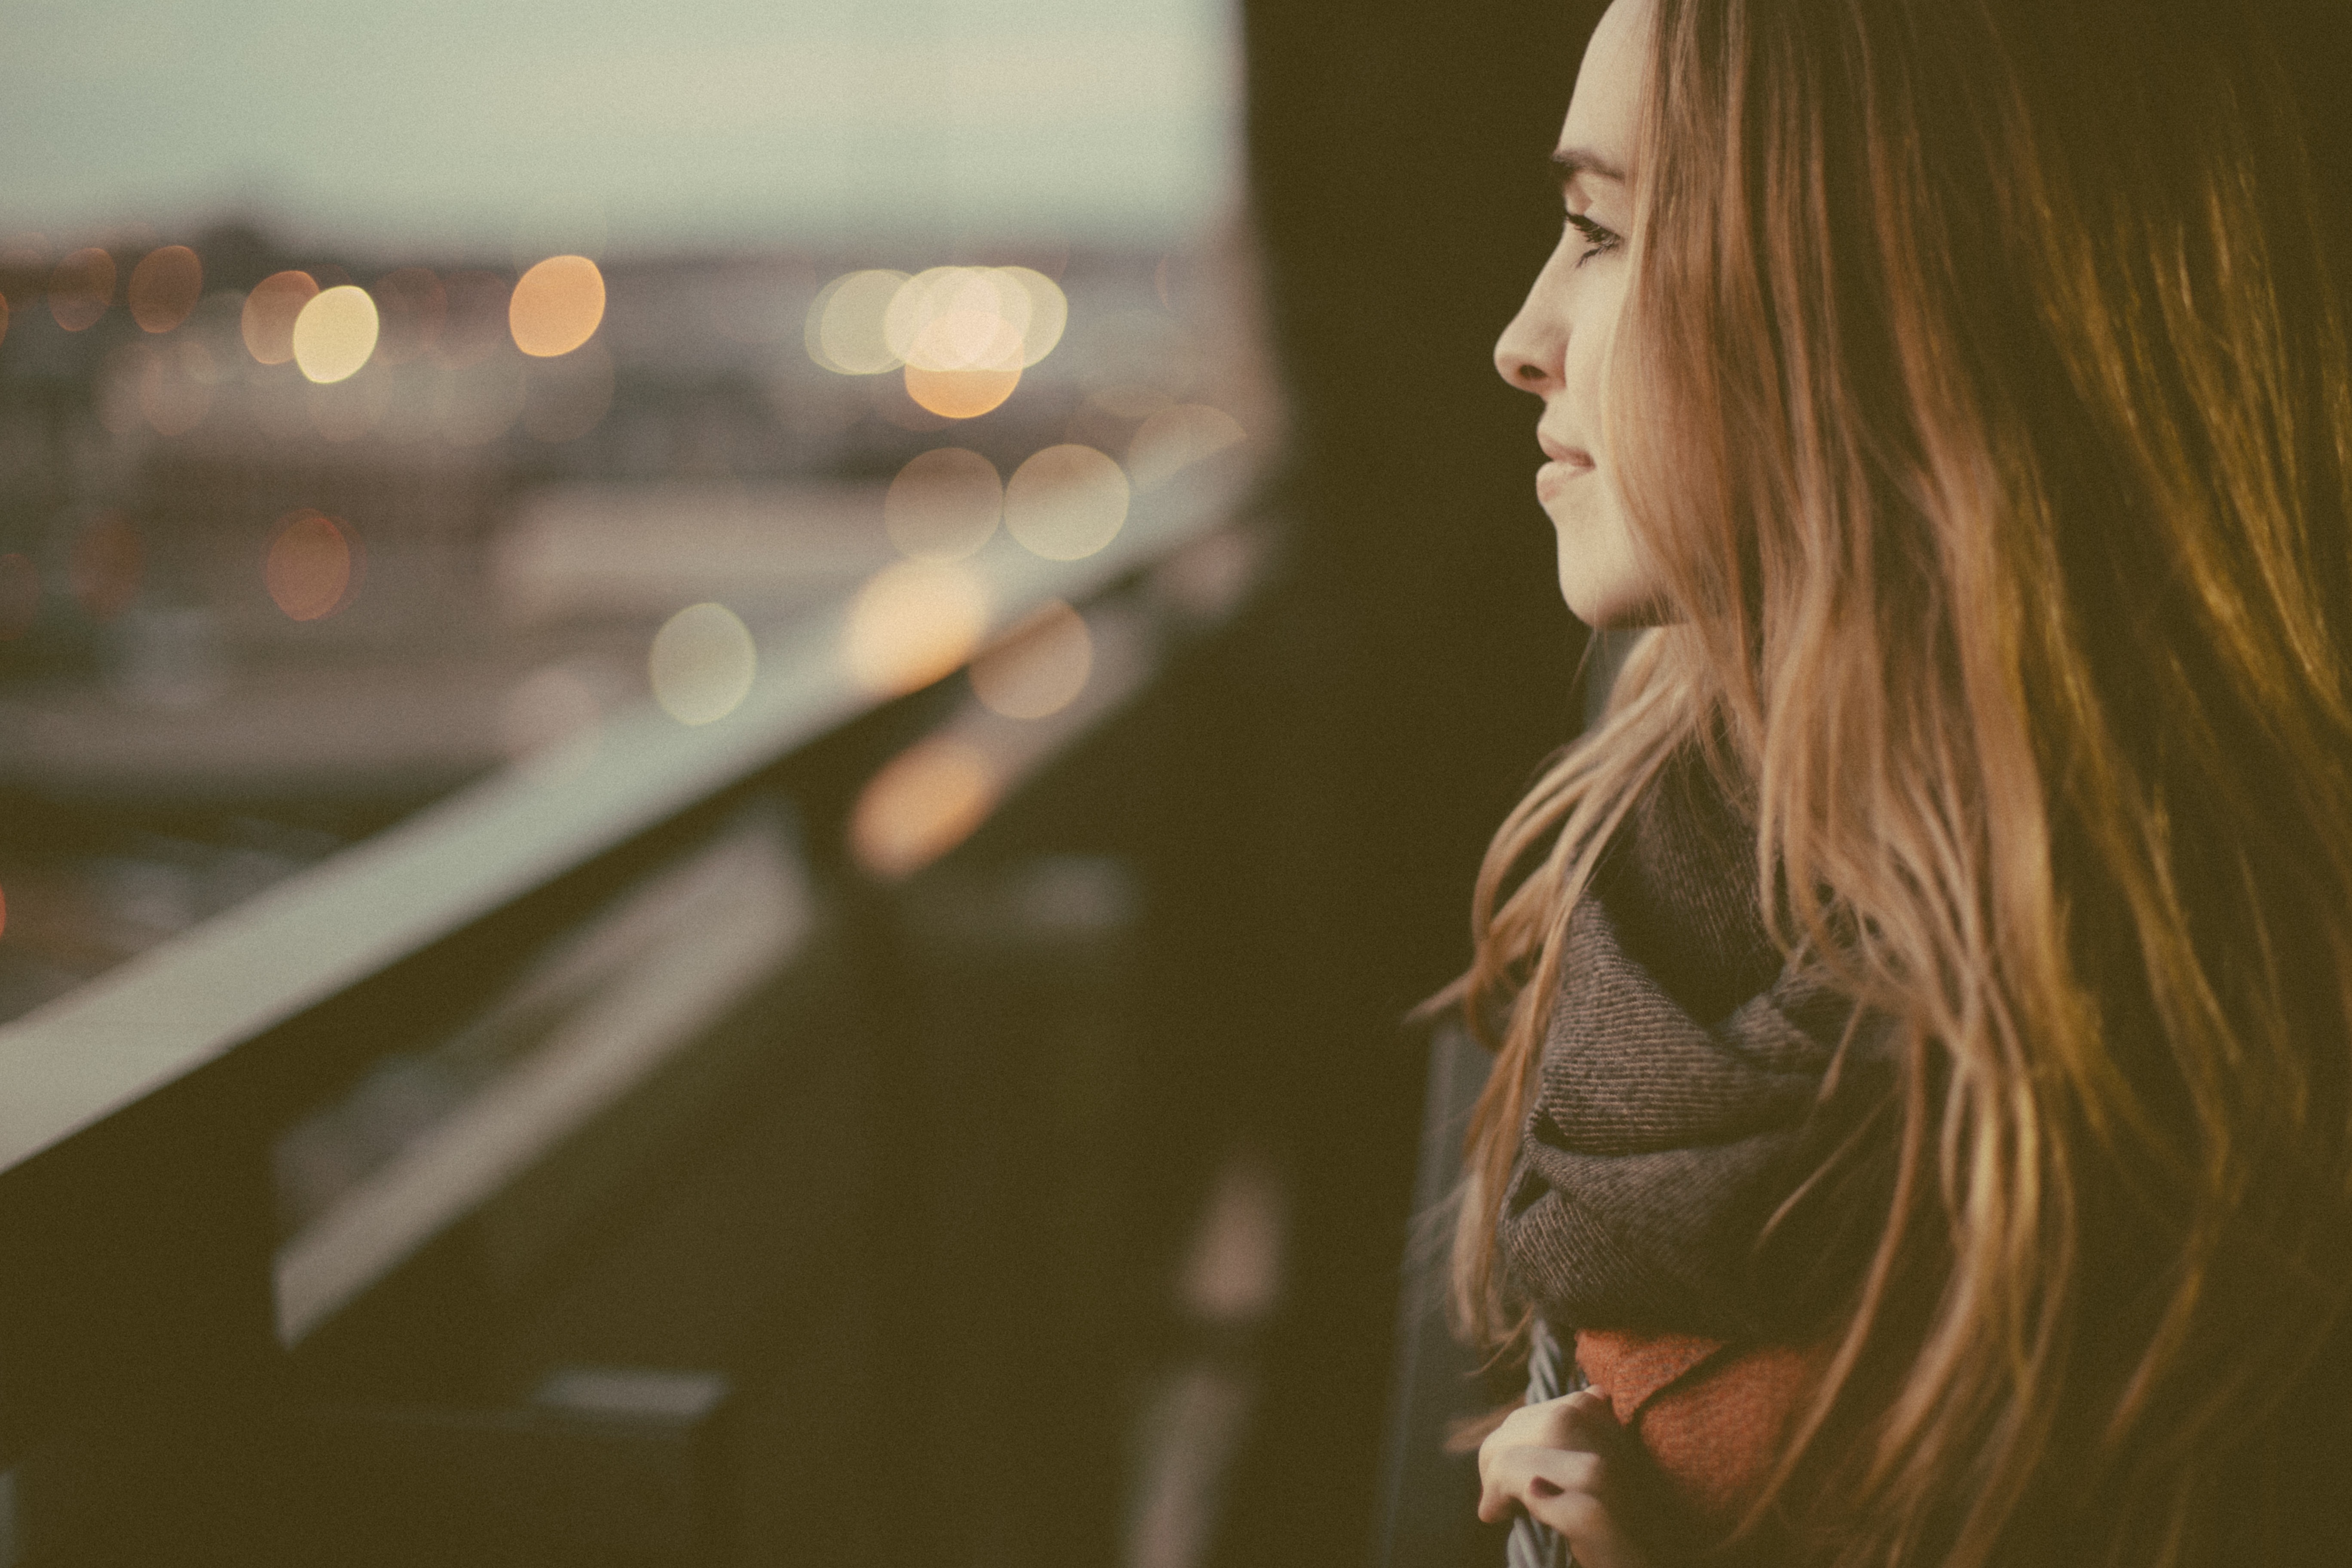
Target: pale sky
432 125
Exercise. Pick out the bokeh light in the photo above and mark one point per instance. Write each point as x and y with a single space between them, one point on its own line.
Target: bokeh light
107 565
845 323
175 386
961 394
474 325
971 319
1049 312
80 287
312 567
20 595
267 321
923 802
410 306
702 663
1175 438
958 318
165 286
1066 502
565 398
557 306
912 623
335 333
886 398
943 505
1039 667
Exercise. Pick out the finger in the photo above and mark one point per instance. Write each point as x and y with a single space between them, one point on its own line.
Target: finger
1584 1419
1505 1473
1580 1422
1530 1424
1595 1532
1528 1474
1505 1476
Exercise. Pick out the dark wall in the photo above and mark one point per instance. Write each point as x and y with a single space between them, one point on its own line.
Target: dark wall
1420 661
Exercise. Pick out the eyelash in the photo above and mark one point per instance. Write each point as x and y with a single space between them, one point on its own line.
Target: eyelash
1601 238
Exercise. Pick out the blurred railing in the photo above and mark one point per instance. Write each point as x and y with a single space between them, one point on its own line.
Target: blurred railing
255 1182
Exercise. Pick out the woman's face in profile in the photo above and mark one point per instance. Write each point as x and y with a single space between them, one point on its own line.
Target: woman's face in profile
1558 345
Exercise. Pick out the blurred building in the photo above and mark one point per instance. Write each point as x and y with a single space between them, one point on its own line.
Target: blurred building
244 593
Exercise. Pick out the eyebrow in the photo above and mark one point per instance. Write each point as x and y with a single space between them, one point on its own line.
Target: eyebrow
1573 160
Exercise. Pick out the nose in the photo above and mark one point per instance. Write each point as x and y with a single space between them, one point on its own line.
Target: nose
1532 350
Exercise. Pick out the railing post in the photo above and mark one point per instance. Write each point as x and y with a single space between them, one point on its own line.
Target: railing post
138 1369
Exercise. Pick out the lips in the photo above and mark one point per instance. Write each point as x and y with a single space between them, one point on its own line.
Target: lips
1568 464
1553 479
1560 451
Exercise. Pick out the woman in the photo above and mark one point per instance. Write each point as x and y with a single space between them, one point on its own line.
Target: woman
1924 1003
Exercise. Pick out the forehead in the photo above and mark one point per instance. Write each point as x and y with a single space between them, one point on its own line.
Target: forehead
1602 113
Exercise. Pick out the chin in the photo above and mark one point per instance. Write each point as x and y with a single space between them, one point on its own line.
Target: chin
1609 607
1601 575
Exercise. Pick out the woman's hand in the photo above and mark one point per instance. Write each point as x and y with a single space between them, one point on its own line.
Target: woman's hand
1570 1464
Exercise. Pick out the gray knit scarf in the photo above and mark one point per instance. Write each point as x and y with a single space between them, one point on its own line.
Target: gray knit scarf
1685 1095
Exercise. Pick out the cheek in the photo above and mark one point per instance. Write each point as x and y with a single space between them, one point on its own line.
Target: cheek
1586 377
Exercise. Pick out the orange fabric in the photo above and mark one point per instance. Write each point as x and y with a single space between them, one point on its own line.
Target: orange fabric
1712 1417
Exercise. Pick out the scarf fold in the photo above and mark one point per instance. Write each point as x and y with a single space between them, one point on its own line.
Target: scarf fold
1685 1097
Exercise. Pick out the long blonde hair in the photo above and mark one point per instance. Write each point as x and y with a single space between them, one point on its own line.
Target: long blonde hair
1982 402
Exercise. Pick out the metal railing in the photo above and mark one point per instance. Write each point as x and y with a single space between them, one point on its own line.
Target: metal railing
220 1160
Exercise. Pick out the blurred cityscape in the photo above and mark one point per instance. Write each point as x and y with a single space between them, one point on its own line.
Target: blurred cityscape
292 542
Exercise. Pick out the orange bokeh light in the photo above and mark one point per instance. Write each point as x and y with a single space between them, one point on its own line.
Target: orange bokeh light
411 305
961 394
557 306
20 595
1039 668
924 802
476 320
107 567
165 286
914 622
81 288
312 567
267 323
